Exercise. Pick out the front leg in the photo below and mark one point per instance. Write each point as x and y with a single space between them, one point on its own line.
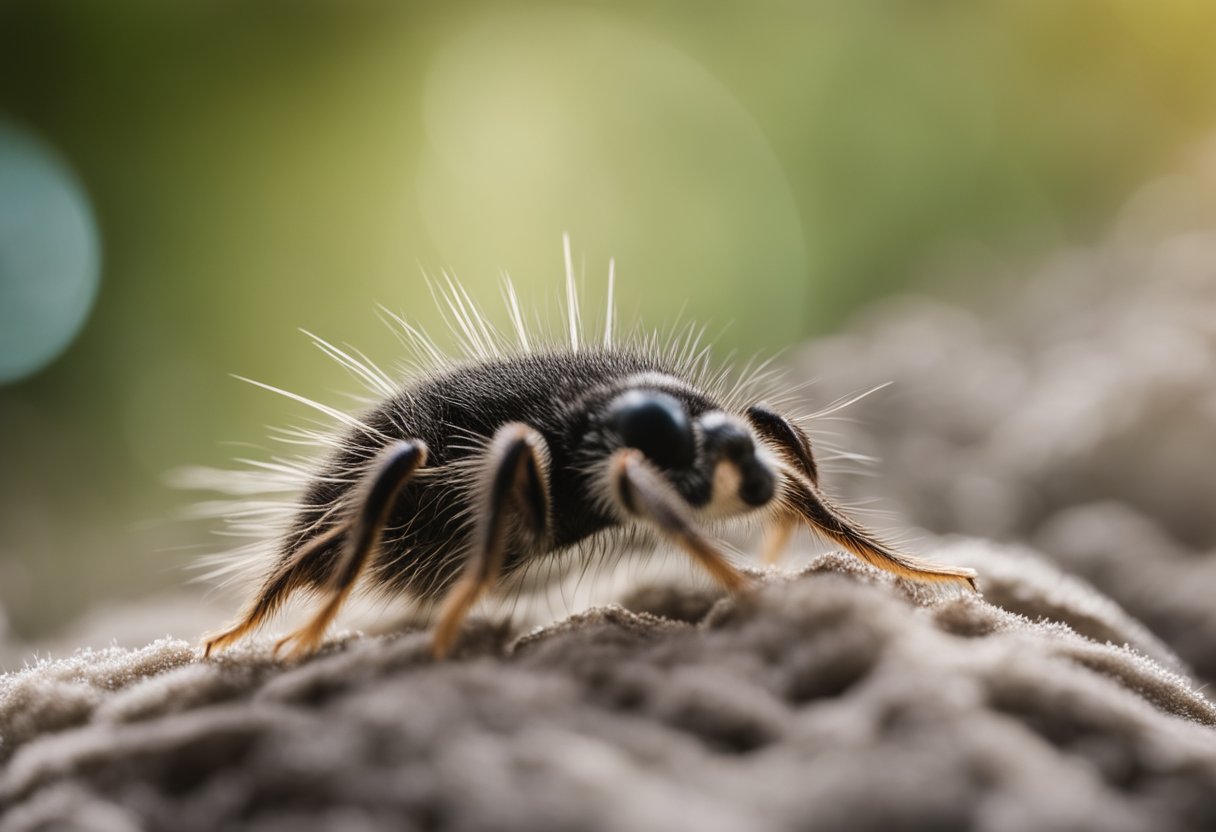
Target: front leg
803 501
786 437
515 483
808 503
641 492
794 446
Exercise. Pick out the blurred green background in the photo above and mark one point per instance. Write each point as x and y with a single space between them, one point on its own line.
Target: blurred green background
230 171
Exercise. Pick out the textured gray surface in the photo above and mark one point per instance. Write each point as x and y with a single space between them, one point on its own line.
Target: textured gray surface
837 698
1078 415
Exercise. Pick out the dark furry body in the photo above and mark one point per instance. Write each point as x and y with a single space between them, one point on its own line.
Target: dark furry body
421 552
468 476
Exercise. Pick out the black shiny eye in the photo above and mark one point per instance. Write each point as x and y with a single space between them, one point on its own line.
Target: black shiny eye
656 424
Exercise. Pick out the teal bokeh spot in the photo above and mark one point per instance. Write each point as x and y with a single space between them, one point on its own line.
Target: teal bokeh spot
50 260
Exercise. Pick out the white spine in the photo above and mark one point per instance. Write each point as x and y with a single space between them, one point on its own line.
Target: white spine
611 302
571 295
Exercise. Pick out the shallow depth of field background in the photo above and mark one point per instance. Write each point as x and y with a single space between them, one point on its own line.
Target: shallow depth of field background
184 185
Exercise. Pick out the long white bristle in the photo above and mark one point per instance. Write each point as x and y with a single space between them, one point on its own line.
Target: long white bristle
571 295
413 338
517 318
611 302
331 412
364 370
848 401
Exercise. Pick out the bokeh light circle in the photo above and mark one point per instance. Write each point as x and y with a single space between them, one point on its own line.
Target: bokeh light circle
50 258
566 120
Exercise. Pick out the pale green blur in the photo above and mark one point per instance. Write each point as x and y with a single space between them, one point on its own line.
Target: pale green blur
764 167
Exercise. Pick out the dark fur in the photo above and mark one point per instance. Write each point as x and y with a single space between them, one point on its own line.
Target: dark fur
471 474
558 394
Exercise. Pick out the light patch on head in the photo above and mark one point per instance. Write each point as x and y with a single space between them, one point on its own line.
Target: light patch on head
655 380
714 419
725 501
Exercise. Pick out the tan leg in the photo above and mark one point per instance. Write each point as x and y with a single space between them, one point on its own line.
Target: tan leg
825 519
516 483
786 438
642 492
282 582
777 538
397 465
805 501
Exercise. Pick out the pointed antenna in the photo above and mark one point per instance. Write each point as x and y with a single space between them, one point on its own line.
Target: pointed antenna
571 295
611 301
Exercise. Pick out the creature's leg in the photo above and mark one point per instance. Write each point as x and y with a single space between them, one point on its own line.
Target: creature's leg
792 443
281 583
641 491
804 501
786 437
807 501
515 483
777 537
397 464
